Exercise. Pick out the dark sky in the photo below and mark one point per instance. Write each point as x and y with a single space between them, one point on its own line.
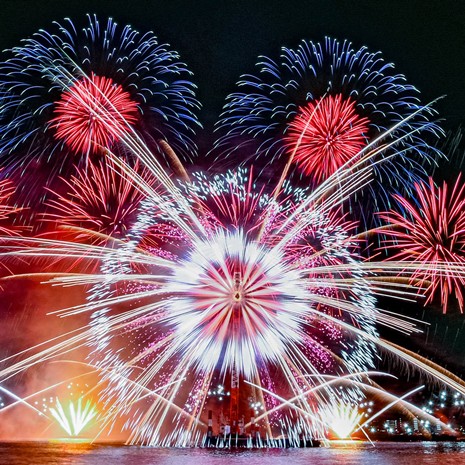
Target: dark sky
221 40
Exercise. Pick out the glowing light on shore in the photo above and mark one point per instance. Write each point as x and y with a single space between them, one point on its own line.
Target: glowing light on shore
76 417
342 418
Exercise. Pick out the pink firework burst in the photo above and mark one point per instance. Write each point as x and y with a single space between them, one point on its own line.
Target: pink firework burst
94 112
432 231
101 199
326 134
242 272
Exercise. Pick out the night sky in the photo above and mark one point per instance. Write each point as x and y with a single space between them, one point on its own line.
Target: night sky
221 40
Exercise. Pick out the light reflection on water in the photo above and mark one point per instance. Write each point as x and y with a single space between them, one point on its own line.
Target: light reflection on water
56 453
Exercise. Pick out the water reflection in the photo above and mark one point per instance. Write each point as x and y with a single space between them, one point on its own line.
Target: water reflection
340 453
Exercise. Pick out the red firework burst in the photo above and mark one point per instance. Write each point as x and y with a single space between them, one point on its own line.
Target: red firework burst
326 134
432 231
95 112
100 199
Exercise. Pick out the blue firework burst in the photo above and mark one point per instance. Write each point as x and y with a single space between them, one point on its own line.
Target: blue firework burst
268 117
42 83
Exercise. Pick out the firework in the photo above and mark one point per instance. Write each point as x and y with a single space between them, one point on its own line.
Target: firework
101 202
430 229
326 135
237 283
241 285
225 278
341 418
76 417
76 92
236 295
265 292
319 105
92 114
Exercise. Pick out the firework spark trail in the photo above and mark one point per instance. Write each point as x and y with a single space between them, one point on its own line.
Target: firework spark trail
48 388
21 400
8 212
81 338
323 386
411 408
394 402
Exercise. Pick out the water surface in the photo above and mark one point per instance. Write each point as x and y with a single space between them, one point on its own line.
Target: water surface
387 453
